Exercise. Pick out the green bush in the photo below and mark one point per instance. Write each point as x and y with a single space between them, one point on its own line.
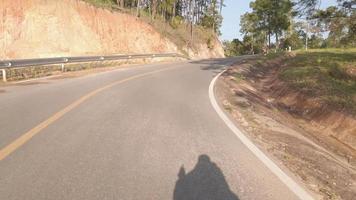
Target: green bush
102 3
210 43
176 22
337 72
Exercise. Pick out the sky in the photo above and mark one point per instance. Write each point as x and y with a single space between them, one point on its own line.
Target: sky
235 8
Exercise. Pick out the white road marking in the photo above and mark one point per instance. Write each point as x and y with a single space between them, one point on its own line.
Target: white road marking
288 181
36 79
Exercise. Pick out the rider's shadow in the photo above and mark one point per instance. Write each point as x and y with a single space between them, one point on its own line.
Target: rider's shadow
205 182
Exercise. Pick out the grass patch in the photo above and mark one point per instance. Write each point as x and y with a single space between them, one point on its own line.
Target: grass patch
272 55
323 74
102 3
239 77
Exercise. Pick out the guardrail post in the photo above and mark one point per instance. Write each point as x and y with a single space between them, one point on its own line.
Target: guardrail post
3 71
62 66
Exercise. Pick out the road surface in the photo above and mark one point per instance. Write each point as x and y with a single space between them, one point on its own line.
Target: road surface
146 132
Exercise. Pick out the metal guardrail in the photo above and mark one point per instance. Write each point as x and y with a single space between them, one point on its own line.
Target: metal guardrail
7 64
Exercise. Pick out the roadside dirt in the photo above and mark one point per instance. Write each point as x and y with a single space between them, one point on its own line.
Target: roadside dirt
305 137
79 72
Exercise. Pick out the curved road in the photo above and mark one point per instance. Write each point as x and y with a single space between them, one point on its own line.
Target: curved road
146 132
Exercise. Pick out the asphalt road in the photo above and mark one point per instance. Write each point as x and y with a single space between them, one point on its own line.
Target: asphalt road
145 132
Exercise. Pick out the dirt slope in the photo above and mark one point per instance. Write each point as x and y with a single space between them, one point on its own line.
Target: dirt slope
45 28
319 147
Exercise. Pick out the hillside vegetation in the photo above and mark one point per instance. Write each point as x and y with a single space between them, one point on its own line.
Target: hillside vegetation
174 19
75 27
329 75
297 24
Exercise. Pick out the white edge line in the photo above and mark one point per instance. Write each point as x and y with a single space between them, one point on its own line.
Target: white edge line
35 79
289 182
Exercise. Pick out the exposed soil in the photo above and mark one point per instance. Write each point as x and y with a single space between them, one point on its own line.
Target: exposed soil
311 139
50 28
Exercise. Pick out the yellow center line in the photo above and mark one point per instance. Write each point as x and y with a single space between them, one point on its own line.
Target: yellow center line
13 146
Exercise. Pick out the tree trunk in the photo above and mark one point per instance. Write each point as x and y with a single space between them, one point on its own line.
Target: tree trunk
153 8
214 8
138 8
191 21
174 8
221 6
252 49
269 40
122 3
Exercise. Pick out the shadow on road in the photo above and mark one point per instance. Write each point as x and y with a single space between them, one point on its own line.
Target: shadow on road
214 64
205 182
219 64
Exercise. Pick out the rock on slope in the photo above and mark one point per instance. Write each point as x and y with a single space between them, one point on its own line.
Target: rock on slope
48 28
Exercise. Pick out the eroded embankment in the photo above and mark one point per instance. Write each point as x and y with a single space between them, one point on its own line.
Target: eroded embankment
51 28
313 137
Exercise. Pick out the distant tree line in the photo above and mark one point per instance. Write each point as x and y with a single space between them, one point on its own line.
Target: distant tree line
280 24
206 13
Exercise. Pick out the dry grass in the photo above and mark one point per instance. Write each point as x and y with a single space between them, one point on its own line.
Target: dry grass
324 74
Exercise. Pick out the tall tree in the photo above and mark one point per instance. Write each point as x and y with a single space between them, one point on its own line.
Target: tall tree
272 17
